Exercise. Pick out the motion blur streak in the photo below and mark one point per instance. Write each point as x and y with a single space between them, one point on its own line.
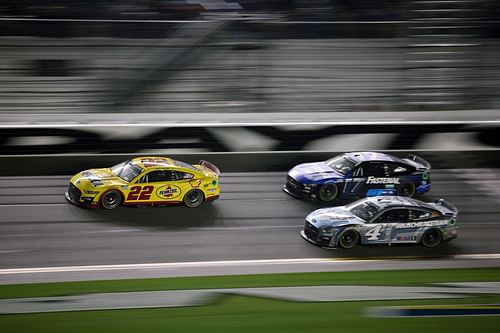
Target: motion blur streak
249 56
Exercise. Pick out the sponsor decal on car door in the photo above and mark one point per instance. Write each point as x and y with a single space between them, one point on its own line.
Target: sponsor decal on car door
168 191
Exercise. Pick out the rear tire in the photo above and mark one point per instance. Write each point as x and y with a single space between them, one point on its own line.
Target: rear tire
328 192
194 198
111 200
431 238
407 189
348 238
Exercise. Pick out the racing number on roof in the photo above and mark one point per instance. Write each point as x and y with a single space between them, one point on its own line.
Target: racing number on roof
140 193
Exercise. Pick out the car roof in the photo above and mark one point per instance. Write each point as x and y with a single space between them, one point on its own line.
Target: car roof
364 156
150 162
396 201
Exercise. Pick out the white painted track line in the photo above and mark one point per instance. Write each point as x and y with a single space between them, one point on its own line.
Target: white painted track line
224 263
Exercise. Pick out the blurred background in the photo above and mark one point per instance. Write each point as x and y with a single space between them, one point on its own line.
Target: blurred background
163 76
254 56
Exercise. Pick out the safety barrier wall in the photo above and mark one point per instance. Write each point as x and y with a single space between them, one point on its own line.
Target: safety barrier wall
40 150
40 165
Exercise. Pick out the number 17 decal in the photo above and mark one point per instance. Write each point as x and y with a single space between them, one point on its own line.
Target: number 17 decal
351 184
140 193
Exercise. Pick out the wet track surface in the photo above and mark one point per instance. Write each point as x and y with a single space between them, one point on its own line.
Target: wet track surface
254 219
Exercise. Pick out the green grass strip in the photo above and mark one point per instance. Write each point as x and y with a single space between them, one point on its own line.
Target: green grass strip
386 277
247 314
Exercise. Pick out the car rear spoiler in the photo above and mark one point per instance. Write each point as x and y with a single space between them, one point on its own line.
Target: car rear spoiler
209 166
447 205
418 160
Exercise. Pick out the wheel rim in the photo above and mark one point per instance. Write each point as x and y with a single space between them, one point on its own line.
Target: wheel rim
194 198
408 190
431 238
348 239
111 200
328 192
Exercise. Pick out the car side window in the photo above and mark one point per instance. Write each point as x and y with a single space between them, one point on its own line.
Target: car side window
393 215
183 175
392 169
159 176
386 169
375 169
419 215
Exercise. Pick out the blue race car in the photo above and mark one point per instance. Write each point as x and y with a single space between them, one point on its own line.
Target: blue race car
382 220
357 175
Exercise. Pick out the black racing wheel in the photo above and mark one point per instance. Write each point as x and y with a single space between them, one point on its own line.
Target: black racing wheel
111 199
348 238
406 189
194 198
431 238
328 192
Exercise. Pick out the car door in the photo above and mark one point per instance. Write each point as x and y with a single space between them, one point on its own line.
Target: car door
184 181
355 182
407 231
378 178
155 186
382 228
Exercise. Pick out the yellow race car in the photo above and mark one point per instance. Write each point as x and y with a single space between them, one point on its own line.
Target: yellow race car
145 181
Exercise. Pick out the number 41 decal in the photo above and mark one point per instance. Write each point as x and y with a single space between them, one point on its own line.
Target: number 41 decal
140 193
374 233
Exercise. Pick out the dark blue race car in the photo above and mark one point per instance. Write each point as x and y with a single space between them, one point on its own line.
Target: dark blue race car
359 174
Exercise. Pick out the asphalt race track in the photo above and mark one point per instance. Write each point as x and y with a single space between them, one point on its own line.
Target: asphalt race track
254 219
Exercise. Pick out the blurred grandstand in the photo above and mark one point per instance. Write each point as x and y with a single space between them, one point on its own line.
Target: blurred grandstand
166 56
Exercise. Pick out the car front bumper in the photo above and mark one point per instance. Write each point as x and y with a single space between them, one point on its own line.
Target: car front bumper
299 194
80 204
326 244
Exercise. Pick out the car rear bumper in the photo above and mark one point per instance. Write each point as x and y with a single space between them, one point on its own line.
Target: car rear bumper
212 198
423 188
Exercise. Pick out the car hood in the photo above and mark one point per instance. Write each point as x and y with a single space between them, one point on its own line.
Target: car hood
97 177
313 172
332 217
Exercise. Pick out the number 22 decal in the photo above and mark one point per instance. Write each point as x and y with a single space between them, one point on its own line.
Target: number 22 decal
140 193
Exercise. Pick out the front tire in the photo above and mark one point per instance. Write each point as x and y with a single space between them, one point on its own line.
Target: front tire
407 189
328 192
431 238
111 200
194 198
348 238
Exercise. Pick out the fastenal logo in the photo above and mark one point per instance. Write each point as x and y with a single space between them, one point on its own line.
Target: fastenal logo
382 180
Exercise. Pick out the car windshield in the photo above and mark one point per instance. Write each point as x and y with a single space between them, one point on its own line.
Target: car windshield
126 171
340 164
364 210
